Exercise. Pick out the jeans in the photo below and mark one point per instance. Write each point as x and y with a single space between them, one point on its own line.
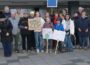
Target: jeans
39 40
7 48
83 41
68 42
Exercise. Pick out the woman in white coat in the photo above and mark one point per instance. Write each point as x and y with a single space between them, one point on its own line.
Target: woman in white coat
69 28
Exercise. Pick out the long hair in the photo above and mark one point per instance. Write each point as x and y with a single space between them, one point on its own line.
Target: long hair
37 12
67 15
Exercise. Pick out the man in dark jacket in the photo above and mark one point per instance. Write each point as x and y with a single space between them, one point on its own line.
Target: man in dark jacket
83 28
6 36
23 25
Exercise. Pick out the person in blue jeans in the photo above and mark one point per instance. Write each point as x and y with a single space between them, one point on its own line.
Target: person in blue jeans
59 26
38 33
69 29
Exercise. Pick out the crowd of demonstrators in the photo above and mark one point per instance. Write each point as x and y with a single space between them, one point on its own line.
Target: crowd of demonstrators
12 26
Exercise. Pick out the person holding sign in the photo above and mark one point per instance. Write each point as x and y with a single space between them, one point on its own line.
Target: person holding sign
31 39
69 28
39 22
59 27
48 24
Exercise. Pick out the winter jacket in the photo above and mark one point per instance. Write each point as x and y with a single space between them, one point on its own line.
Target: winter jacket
6 27
83 24
71 26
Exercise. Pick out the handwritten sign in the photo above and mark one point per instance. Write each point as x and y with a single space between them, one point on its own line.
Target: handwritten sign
58 35
47 33
34 24
31 24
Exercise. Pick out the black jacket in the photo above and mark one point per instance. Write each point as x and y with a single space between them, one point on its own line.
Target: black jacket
6 27
22 24
83 24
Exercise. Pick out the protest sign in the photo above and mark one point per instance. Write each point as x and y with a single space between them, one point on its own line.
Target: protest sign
47 33
58 35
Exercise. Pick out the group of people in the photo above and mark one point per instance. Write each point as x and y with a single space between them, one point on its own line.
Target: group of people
12 27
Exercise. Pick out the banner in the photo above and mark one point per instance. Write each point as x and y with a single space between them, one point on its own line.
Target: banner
58 35
47 33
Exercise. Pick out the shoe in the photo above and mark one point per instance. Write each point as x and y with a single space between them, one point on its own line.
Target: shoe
42 51
29 51
85 48
37 50
17 51
50 51
80 47
24 51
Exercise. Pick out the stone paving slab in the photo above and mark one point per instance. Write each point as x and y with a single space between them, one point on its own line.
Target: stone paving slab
78 57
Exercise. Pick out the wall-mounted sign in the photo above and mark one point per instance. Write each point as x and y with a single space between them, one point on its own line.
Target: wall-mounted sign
52 3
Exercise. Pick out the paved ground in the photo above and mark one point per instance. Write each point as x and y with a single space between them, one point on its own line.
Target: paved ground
78 57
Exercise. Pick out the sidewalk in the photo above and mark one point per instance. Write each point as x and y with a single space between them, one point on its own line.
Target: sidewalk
78 57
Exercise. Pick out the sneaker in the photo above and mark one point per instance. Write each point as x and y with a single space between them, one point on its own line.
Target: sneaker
38 51
24 51
85 48
17 51
80 47
28 51
42 51
50 51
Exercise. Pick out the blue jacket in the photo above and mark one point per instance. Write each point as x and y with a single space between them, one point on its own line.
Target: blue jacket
59 27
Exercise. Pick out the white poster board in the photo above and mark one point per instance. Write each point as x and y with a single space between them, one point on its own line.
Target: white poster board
58 35
47 33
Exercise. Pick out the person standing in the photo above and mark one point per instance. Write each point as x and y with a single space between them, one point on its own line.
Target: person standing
76 16
59 27
31 36
69 28
48 24
6 35
56 16
83 28
38 34
23 26
7 12
14 20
